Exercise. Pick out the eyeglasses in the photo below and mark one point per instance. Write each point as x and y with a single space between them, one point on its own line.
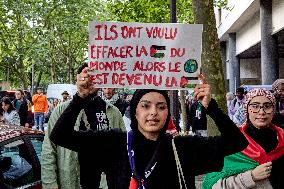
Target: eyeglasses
279 90
267 107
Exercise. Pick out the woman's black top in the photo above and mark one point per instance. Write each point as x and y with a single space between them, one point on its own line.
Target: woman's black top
108 149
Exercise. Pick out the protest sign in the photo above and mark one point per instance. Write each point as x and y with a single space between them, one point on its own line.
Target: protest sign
144 55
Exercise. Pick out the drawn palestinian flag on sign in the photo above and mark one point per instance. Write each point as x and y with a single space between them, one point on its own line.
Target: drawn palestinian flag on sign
155 51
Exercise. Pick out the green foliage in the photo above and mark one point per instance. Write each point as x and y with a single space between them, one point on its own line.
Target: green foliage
149 11
53 35
221 4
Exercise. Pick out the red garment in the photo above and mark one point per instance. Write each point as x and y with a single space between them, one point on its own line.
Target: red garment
133 184
257 153
171 125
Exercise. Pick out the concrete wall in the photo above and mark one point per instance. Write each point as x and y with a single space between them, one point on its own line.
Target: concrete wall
244 19
228 67
229 18
227 60
249 35
277 15
241 11
250 68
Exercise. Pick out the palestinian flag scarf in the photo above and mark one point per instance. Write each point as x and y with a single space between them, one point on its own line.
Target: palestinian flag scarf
257 153
248 159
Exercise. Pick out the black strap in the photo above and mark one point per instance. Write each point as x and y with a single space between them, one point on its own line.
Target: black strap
142 182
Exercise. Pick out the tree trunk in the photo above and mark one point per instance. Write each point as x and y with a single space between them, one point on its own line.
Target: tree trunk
68 60
38 79
203 12
24 77
52 72
53 57
21 67
52 64
69 63
73 74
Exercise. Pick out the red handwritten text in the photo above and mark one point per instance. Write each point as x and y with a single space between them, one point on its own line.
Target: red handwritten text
157 32
103 34
108 66
149 66
174 67
117 52
179 52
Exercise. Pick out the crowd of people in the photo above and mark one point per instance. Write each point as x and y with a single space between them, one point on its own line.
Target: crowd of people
33 113
144 155
134 144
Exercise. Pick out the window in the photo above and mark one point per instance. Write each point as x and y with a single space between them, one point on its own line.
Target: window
37 144
15 164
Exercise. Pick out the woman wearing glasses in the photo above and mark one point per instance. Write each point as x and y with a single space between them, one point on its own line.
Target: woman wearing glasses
261 164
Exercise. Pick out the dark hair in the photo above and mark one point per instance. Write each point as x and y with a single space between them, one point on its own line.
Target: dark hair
65 92
80 69
241 90
21 91
6 100
138 94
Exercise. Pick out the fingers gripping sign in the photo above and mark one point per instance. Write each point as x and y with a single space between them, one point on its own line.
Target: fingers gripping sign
84 83
202 91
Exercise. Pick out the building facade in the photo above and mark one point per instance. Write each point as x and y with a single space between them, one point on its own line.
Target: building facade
251 35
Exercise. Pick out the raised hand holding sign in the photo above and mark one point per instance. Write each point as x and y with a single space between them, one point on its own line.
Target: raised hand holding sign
84 83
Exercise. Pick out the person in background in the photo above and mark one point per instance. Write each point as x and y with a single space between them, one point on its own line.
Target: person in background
52 103
40 109
260 165
110 96
229 97
30 117
237 101
145 156
239 117
278 88
59 166
21 105
9 114
126 119
55 103
65 96
197 120
123 96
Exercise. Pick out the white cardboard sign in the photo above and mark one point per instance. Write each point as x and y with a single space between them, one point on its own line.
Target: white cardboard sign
144 55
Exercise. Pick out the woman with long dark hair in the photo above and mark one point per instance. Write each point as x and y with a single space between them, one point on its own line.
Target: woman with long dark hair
21 105
10 115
